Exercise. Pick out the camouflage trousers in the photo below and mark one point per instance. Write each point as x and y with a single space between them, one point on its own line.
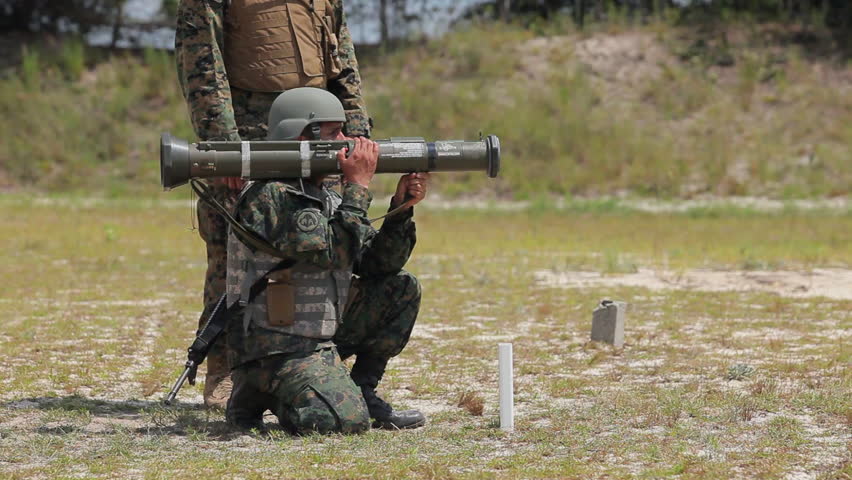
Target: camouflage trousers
313 391
251 112
380 316
308 392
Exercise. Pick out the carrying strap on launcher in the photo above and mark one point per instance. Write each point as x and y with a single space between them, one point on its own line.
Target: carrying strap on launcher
248 237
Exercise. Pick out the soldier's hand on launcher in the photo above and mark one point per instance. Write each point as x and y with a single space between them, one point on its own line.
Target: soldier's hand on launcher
411 188
359 166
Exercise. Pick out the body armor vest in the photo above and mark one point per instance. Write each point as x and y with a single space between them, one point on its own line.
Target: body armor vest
302 300
276 45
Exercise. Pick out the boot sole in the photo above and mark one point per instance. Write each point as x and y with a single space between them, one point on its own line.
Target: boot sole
391 426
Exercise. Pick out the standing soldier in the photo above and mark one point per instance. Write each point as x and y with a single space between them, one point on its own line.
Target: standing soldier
233 59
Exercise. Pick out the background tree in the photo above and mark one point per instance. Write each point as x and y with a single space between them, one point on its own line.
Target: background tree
57 15
836 14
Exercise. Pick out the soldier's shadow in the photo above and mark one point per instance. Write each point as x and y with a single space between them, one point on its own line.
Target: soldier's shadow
92 416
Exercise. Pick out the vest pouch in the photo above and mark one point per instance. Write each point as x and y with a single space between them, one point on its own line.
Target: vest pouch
333 63
280 303
308 34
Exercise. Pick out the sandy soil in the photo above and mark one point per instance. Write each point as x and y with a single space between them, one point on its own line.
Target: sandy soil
833 283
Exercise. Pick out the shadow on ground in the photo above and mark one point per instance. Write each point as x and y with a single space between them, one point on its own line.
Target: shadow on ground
141 417
95 407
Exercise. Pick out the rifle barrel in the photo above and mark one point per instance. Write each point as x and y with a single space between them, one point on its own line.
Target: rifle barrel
170 398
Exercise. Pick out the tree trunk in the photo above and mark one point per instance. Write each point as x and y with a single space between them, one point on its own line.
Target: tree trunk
116 25
504 7
383 21
20 16
579 12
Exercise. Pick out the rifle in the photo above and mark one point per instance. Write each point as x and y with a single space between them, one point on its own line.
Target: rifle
218 319
197 352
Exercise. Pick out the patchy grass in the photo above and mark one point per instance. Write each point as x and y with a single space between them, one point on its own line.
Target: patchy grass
651 110
100 299
655 110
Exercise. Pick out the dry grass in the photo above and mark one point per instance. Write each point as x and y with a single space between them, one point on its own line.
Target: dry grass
472 402
644 109
99 302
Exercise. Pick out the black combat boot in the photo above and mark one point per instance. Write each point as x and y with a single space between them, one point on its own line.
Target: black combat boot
243 421
366 373
245 407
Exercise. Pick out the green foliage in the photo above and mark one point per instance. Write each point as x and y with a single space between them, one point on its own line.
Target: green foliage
722 112
73 58
690 132
170 8
53 16
98 132
836 14
160 76
30 69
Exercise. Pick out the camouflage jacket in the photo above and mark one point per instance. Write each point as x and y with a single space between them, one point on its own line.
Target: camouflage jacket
221 112
345 238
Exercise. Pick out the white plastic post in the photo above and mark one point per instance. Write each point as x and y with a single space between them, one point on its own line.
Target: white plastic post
507 408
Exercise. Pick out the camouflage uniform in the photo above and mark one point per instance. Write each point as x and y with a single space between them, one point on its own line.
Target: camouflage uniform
300 378
219 111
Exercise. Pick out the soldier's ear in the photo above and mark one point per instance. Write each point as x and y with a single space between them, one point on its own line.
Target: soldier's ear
306 134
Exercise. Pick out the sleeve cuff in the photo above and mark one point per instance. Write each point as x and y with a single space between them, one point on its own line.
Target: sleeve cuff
400 217
358 124
357 196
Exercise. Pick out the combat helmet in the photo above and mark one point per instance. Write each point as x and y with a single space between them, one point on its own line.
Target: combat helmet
298 108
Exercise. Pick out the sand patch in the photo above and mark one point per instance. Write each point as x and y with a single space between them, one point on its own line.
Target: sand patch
835 283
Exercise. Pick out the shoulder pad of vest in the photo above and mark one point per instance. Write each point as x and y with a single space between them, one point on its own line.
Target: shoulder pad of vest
294 187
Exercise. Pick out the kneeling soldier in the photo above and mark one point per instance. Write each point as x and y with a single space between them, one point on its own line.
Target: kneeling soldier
335 289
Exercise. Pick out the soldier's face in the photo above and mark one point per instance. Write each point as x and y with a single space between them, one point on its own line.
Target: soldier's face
328 131
331 131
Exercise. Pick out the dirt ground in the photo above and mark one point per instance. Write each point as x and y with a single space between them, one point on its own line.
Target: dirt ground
725 373
835 283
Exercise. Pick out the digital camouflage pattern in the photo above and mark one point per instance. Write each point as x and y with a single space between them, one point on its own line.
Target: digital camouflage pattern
380 316
271 209
376 324
300 298
308 392
220 111
378 321
387 298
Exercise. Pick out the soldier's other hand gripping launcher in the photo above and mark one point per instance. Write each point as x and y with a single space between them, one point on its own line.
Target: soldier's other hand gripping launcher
181 161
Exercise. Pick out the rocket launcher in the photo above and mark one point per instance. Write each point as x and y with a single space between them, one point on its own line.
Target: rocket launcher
181 161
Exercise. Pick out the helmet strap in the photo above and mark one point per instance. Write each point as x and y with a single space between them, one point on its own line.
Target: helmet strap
315 131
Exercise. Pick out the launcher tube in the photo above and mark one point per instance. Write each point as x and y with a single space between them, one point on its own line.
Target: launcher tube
180 161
